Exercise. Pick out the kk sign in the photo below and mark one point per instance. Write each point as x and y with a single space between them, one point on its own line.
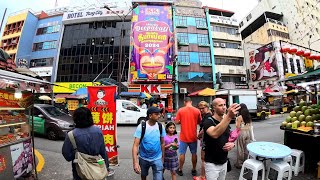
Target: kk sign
150 89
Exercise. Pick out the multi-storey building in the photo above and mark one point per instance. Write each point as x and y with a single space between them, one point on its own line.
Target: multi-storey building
195 68
228 51
32 40
90 42
273 20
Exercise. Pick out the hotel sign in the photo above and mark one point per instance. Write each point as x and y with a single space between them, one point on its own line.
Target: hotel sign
193 12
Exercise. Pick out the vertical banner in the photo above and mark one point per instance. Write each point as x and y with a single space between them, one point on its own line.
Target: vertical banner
151 43
102 104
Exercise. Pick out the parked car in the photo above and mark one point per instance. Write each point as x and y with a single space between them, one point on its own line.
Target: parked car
129 113
51 121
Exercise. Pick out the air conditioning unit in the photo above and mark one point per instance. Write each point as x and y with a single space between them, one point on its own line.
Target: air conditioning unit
183 91
238 31
223 45
239 47
243 79
216 44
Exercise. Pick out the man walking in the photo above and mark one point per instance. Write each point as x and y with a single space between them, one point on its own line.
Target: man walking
188 116
151 151
216 136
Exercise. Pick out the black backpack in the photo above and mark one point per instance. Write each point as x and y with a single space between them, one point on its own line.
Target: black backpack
143 126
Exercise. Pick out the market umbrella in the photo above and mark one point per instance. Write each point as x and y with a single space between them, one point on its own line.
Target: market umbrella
81 91
204 92
4 55
44 97
148 96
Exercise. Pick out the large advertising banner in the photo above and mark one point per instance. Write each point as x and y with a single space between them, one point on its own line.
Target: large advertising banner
151 43
102 104
263 63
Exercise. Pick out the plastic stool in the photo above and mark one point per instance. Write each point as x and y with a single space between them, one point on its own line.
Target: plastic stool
255 166
288 159
298 161
281 167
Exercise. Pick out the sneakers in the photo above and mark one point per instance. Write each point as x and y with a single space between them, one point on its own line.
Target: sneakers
179 172
199 178
194 172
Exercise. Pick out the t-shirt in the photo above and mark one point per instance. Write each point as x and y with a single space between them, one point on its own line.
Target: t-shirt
150 147
213 147
168 140
189 118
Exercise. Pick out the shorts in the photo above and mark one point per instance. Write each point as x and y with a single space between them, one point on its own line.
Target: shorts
156 166
216 171
192 146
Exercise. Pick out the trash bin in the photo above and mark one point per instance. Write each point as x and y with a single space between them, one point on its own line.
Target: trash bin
273 112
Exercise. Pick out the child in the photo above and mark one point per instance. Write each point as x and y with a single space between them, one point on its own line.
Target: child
171 145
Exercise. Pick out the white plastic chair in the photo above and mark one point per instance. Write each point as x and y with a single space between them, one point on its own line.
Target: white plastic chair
298 159
281 167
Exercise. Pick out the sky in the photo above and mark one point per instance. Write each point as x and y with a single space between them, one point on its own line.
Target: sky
240 7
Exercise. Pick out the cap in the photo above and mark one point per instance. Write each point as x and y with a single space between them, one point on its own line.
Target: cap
153 109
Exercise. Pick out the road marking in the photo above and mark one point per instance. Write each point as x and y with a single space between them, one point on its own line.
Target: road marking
41 160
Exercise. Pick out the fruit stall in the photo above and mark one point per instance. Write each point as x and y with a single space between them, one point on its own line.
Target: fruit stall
17 157
301 127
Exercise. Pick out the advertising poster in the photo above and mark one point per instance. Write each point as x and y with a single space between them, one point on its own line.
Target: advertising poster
21 155
7 99
263 63
151 43
5 163
102 104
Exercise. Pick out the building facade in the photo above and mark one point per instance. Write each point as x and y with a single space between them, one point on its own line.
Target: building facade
90 45
194 68
295 21
228 50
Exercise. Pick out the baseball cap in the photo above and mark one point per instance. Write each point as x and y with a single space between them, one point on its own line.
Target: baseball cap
153 110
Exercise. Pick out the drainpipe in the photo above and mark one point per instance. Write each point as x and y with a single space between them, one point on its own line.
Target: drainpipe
211 49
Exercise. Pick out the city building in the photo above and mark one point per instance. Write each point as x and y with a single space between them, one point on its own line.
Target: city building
32 40
228 51
194 67
280 25
90 45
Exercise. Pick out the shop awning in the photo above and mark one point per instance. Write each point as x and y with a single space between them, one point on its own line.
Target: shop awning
291 91
312 74
204 92
135 94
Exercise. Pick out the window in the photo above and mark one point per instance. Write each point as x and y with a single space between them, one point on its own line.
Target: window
44 45
36 112
204 58
48 30
41 62
229 45
129 106
230 62
230 79
241 24
201 22
249 17
181 20
184 58
203 39
228 30
183 38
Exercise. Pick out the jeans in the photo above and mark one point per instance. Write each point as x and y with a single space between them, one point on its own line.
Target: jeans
216 171
156 165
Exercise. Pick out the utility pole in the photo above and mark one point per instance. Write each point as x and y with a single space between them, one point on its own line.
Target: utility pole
4 15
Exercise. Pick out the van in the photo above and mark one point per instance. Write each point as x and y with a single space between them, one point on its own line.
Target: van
51 121
129 113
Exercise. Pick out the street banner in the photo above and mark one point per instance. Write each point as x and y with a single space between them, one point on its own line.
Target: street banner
102 104
151 43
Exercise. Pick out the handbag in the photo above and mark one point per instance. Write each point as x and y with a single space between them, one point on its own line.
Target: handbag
234 135
88 167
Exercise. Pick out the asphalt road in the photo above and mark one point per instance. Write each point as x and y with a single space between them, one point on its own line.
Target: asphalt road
56 167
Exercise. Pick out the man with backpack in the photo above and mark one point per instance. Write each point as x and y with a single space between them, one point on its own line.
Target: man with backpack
149 143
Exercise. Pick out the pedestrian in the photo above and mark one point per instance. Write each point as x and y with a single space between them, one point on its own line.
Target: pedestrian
205 113
89 140
171 141
215 139
150 148
144 105
246 136
188 116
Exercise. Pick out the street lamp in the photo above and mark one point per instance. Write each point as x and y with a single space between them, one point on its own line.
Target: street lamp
120 71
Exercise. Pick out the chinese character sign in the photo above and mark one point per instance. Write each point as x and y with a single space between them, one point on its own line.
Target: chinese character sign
151 43
102 104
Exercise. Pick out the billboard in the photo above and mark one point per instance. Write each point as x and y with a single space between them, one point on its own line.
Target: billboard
102 104
151 43
263 63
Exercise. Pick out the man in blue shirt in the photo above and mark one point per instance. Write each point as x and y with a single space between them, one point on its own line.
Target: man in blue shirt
151 151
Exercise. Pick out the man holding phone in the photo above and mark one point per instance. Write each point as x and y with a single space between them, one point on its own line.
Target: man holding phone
215 140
